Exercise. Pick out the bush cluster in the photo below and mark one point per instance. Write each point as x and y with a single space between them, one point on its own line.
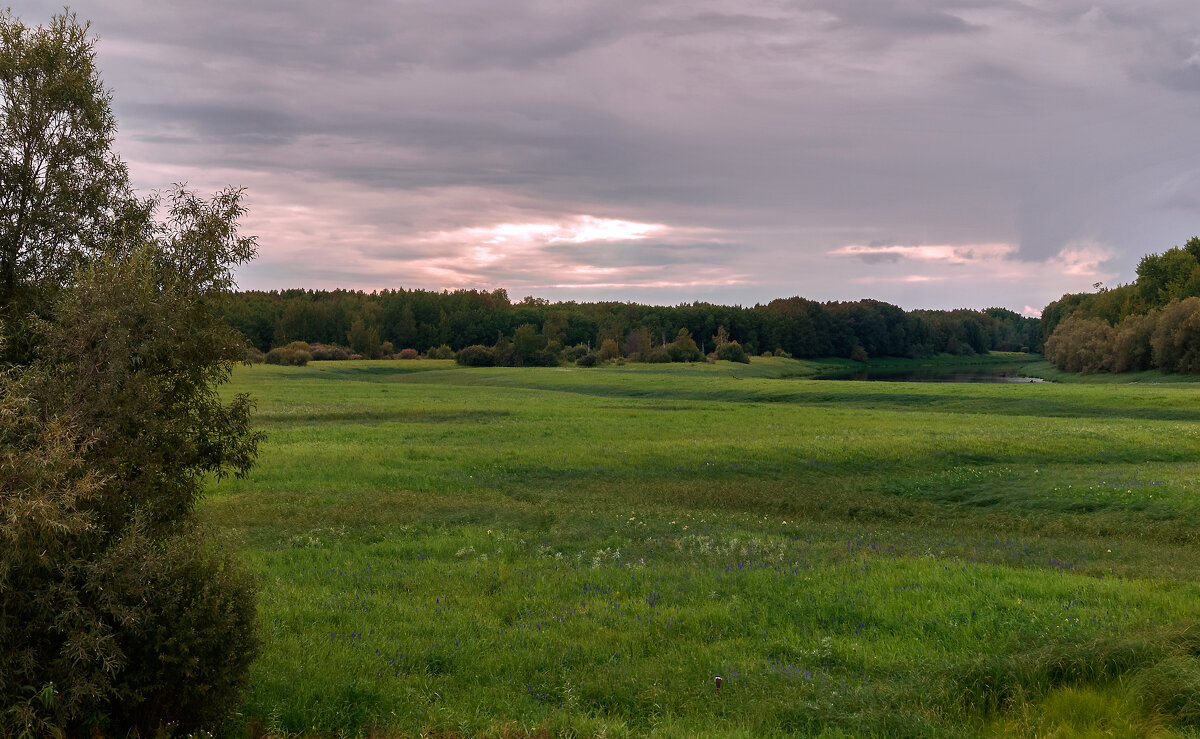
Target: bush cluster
732 352
1167 339
295 354
324 352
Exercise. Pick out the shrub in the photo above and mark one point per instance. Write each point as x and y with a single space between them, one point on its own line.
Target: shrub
295 354
386 349
609 349
544 358
782 353
1176 338
183 617
1132 348
440 352
254 356
732 352
327 352
656 355
573 353
1083 345
684 348
591 359
409 354
858 354
475 355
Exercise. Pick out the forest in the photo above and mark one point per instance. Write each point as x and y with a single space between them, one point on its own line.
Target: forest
380 323
1151 323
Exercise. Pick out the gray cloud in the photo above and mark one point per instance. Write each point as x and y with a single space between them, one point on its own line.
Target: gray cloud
788 129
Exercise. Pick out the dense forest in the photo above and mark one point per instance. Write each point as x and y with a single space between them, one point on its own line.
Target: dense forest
380 323
1151 323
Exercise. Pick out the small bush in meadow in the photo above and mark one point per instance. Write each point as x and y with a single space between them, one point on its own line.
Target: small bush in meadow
782 353
327 352
590 359
254 356
476 355
731 351
440 352
409 354
295 354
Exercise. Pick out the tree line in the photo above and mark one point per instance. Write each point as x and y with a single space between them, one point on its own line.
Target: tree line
424 320
1150 323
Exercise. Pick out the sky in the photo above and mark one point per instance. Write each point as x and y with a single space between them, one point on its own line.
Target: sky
932 154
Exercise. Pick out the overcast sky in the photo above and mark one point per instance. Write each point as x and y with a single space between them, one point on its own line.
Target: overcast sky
930 153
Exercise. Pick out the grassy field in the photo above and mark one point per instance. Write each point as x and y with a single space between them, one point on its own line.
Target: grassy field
506 552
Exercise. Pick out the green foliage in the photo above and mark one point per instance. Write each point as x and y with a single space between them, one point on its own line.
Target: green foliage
364 340
183 620
460 318
440 352
656 355
411 354
1167 339
63 189
475 356
298 354
574 353
1176 338
1082 345
609 350
318 352
589 359
114 615
527 343
731 351
683 348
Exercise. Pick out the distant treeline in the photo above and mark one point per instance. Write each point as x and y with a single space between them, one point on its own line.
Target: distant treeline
1151 323
422 320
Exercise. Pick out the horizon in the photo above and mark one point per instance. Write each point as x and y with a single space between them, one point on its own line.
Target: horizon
933 155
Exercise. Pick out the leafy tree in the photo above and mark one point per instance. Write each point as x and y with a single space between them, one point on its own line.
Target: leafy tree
609 350
554 328
63 188
732 351
684 348
1176 338
363 340
526 343
110 419
1081 345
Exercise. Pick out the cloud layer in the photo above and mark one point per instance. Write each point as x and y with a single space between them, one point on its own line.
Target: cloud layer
941 153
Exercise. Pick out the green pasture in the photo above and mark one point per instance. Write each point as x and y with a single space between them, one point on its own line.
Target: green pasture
567 551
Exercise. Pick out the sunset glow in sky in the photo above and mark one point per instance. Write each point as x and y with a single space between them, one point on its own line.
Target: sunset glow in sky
930 153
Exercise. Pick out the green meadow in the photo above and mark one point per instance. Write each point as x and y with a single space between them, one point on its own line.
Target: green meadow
567 551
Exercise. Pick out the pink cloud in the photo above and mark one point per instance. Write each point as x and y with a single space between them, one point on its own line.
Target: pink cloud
949 253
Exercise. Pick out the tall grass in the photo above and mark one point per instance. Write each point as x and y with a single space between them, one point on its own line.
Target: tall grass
512 551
